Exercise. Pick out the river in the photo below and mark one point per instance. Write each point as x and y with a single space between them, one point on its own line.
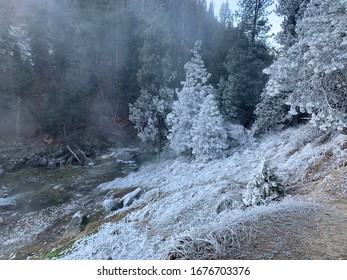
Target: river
44 201
34 189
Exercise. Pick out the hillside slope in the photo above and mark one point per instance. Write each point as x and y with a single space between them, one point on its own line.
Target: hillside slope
176 216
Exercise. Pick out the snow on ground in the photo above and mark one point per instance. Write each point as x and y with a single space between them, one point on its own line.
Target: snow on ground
181 196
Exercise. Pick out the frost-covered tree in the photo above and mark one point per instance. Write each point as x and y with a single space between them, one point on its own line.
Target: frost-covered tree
149 112
272 111
209 132
186 109
264 187
190 116
312 73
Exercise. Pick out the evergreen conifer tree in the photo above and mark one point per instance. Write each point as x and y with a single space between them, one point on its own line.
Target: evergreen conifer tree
197 128
209 136
240 93
187 107
312 73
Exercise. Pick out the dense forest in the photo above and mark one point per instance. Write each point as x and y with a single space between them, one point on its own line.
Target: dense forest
72 66
168 69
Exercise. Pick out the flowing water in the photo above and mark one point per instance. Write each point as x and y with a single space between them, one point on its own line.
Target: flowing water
38 188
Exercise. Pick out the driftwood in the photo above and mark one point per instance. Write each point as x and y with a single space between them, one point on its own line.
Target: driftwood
73 153
82 153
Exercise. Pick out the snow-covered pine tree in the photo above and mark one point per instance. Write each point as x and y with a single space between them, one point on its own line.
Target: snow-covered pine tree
264 187
209 134
187 108
149 111
313 72
272 112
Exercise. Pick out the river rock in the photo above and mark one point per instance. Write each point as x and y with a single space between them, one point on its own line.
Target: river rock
7 204
8 217
43 162
230 202
33 162
110 205
52 164
77 223
13 165
129 198
125 157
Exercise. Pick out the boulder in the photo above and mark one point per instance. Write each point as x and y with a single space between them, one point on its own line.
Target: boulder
129 198
77 223
230 202
110 205
7 204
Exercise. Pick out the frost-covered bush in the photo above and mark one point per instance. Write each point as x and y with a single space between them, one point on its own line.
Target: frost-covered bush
237 134
263 188
313 72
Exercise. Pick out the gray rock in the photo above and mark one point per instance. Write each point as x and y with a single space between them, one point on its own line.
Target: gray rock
61 160
7 204
152 194
33 162
230 202
9 217
110 205
52 164
129 198
43 162
13 165
125 157
76 224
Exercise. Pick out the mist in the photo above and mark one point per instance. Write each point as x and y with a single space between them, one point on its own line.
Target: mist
70 65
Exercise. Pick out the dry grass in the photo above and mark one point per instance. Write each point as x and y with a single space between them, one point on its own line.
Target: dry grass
288 230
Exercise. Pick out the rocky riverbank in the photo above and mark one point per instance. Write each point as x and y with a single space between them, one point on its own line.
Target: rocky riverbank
42 208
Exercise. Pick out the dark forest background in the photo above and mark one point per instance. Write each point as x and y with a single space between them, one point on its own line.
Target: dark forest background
73 67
